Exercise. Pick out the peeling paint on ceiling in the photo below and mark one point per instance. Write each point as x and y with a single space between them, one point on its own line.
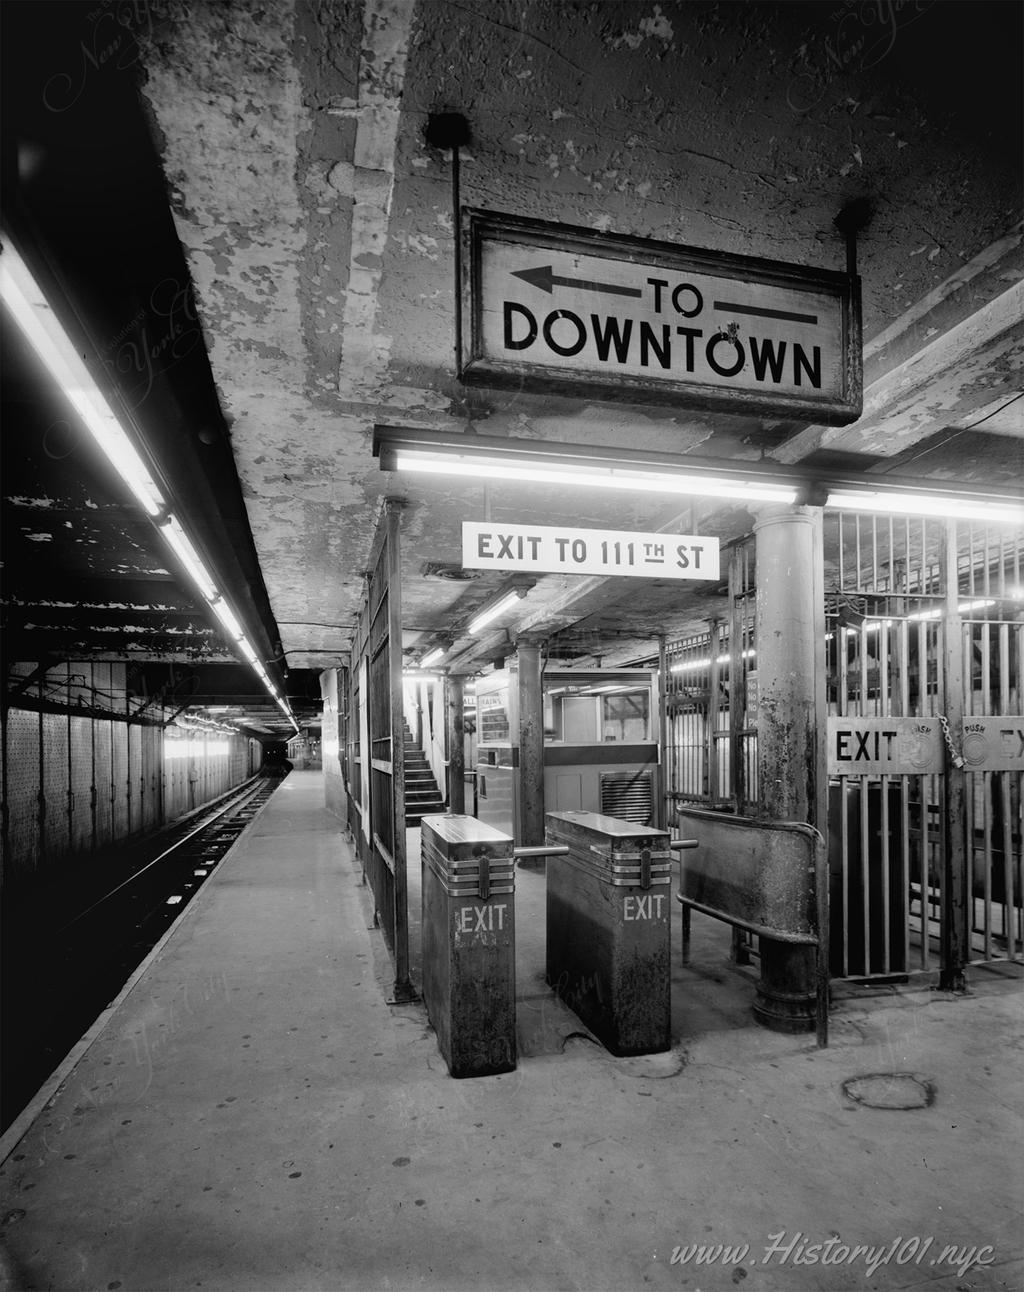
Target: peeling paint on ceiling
318 226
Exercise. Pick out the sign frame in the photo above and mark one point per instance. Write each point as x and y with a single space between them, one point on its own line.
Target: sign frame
889 746
546 549
478 368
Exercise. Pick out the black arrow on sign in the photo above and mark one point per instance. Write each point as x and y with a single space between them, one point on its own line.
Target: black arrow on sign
544 278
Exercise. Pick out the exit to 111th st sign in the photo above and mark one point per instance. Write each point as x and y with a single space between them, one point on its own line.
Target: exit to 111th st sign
549 549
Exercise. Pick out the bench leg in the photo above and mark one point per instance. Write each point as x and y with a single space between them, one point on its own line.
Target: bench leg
685 926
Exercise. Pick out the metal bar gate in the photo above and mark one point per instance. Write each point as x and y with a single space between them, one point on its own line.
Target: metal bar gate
924 730
924 656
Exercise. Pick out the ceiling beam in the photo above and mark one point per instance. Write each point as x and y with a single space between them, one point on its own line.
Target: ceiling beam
945 360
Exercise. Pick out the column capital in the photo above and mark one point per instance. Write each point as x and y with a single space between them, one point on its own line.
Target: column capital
786 513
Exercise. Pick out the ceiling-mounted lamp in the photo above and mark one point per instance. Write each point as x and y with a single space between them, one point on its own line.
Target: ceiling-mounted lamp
492 458
27 302
433 656
493 611
996 510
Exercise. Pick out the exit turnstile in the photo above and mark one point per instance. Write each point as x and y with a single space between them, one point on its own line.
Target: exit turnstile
609 929
469 940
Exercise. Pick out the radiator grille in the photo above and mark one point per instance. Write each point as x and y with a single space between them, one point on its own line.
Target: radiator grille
628 796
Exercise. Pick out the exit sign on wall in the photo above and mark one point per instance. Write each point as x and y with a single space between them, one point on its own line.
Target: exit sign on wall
563 309
548 549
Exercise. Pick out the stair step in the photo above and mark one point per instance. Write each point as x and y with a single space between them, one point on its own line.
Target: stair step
414 818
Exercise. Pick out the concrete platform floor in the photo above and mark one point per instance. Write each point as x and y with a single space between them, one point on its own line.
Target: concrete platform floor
252 1115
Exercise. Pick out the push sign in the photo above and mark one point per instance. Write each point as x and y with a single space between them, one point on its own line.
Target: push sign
549 549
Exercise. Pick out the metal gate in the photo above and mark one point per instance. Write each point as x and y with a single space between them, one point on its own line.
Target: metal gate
709 693
923 745
925 748
377 763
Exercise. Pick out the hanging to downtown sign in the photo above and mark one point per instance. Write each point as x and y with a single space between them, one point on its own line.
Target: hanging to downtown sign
565 310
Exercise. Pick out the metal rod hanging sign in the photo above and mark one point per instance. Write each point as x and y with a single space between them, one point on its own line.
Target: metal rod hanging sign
557 308
570 550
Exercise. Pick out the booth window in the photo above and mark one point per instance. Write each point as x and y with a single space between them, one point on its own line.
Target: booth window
626 718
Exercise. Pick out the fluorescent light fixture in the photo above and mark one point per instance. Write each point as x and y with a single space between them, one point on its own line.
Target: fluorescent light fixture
228 618
45 333
491 458
594 466
948 506
935 612
181 545
690 666
676 482
492 612
432 656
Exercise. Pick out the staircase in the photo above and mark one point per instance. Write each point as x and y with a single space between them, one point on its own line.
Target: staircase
422 797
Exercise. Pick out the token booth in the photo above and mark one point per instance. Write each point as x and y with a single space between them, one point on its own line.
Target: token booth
600 744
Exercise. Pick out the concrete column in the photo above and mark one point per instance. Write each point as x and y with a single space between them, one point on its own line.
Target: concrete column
789 637
454 691
530 808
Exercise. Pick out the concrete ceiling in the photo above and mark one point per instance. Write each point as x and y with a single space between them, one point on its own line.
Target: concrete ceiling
316 224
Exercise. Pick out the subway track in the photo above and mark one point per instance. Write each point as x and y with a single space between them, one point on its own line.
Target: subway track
68 949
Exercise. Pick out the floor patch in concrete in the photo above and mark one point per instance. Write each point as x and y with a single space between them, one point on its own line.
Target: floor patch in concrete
899 1090
653 1067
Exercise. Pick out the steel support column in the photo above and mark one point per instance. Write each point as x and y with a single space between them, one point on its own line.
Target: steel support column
955 935
454 697
790 644
530 809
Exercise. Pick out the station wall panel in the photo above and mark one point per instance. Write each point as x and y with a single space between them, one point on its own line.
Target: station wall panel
80 771
56 836
136 782
104 814
21 782
119 779
76 781
152 775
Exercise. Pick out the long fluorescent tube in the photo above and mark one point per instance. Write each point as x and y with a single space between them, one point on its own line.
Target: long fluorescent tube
432 657
492 612
597 478
689 666
180 543
44 332
228 618
486 457
998 511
